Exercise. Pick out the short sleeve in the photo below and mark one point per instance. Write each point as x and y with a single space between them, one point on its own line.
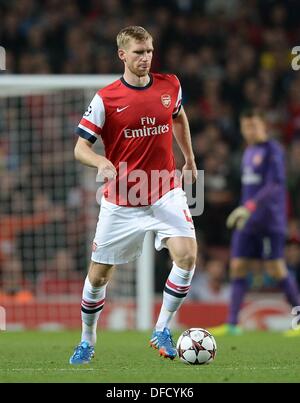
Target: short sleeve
177 107
93 120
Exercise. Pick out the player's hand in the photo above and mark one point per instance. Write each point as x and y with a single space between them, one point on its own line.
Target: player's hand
106 170
238 217
189 172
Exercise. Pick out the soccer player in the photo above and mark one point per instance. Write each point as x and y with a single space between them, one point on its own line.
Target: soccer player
260 220
136 117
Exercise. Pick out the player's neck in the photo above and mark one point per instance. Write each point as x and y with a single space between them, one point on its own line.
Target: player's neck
259 139
262 138
135 80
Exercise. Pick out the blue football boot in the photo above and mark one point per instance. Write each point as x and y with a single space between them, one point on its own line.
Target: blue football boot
163 342
83 354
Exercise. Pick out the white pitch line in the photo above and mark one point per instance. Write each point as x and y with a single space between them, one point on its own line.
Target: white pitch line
45 369
254 368
96 369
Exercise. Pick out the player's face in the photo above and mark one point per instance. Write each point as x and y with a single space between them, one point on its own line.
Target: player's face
253 129
138 56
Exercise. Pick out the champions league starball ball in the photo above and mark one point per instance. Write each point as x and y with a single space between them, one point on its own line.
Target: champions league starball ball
196 346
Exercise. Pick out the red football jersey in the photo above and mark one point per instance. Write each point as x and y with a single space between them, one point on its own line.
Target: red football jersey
135 124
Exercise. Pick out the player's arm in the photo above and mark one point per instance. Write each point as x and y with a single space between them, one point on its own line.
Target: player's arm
86 155
88 130
182 135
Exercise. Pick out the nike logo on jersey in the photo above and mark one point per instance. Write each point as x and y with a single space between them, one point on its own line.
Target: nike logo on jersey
122 109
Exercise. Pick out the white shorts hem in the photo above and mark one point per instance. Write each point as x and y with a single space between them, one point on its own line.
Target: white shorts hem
163 245
114 260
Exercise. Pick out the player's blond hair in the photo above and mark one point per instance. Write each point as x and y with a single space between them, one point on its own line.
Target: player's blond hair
132 32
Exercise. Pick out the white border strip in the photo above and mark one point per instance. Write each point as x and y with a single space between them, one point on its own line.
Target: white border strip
64 81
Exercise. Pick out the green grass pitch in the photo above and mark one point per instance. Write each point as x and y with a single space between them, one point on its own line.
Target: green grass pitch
126 357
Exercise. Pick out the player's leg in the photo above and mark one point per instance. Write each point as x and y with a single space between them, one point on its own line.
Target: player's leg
118 240
173 225
246 252
246 249
238 278
239 268
183 251
276 267
277 270
93 299
273 253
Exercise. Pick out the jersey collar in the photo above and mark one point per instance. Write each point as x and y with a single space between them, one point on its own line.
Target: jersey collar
133 87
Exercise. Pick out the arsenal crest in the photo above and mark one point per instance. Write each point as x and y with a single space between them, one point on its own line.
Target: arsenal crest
166 100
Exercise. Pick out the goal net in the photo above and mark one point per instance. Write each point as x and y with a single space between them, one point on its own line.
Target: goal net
48 210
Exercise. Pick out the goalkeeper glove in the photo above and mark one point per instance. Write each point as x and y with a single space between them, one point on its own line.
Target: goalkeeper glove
239 216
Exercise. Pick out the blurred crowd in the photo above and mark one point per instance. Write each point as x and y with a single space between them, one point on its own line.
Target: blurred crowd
227 54
42 231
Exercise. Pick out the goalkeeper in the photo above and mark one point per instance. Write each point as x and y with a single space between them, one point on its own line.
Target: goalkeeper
259 223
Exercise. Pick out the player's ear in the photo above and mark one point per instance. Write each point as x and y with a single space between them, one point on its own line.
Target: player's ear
122 54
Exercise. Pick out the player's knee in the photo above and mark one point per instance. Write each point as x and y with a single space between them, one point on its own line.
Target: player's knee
276 270
186 261
99 274
237 269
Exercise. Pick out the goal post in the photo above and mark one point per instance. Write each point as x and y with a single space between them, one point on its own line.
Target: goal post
48 203
63 81
145 285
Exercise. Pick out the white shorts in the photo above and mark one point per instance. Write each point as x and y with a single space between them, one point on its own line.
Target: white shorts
121 230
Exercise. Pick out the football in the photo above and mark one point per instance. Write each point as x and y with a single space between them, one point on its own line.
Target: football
196 346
